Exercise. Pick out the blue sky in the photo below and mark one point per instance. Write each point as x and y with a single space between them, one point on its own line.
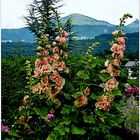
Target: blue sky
108 10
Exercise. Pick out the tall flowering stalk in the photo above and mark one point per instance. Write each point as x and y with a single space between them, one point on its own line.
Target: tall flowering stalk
118 48
49 65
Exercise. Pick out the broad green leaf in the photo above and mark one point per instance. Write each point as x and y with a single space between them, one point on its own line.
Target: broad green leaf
66 109
41 111
14 133
94 96
116 92
89 119
83 74
49 138
104 76
78 131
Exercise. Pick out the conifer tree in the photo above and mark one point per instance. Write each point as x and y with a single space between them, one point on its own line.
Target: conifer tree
43 17
69 28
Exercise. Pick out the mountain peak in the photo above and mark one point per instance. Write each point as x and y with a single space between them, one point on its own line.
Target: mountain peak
79 19
135 23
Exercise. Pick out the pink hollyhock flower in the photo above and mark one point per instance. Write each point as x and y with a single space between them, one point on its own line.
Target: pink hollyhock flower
45 80
64 33
111 84
60 65
57 38
120 40
116 72
5 128
54 43
104 102
55 49
54 75
116 62
115 48
45 52
46 68
81 101
37 72
38 54
36 88
120 54
63 40
87 91
55 57
58 81
47 46
38 63
40 48
115 32
61 85
44 61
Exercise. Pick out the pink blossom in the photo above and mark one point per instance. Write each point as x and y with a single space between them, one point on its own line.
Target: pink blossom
63 40
40 48
50 116
45 52
120 54
57 38
45 80
60 65
55 49
64 33
37 63
54 75
120 40
37 72
55 57
46 68
54 43
115 48
87 91
5 128
38 54
115 32
37 88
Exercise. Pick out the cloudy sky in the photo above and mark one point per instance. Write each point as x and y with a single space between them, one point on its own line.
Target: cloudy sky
108 10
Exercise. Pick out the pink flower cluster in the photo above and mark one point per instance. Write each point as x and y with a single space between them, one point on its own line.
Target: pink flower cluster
104 102
117 49
131 90
49 65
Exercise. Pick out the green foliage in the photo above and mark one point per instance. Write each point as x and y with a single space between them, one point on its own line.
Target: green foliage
13 86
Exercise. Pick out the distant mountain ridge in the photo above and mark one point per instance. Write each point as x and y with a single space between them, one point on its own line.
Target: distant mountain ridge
84 26
79 19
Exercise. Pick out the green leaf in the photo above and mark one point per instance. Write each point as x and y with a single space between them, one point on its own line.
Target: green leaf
83 74
66 109
41 111
78 131
77 94
116 92
49 138
14 133
104 76
94 96
89 119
